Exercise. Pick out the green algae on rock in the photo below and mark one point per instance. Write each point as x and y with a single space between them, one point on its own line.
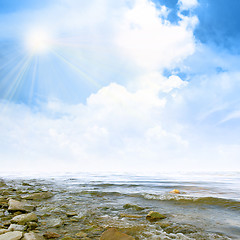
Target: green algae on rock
132 206
154 216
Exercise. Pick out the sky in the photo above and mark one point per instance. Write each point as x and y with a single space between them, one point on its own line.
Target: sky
119 86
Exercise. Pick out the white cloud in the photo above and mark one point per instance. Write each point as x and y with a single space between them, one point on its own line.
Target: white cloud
152 42
187 4
148 122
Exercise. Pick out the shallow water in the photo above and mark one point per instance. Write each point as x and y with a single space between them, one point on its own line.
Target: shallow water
208 206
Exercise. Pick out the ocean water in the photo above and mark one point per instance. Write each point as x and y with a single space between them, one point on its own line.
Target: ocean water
208 206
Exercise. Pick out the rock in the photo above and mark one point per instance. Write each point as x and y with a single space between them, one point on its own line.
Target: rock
114 234
55 223
11 236
32 225
132 206
175 191
38 196
3 203
49 235
32 236
3 231
163 224
81 234
68 238
7 223
130 216
71 214
16 227
154 216
24 218
15 205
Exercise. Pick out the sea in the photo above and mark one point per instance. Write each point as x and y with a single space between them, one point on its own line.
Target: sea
207 207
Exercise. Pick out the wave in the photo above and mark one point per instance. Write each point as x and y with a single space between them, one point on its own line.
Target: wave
221 202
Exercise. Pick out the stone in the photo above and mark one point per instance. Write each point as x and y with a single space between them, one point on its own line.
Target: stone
81 234
55 223
7 223
38 196
3 231
11 236
154 216
49 235
32 225
114 234
3 204
16 227
32 236
71 214
175 191
15 205
132 206
68 238
24 218
130 216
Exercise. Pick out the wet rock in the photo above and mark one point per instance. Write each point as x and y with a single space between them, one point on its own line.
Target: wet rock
130 216
68 238
32 225
164 224
2 183
11 236
2 213
154 216
175 191
26 184
132 206
49 235
81 234
38 196
71 214
3 231
16 227
3 203
24 218
114 234
7 223
184 229
55 223
17 213
32 236
15 205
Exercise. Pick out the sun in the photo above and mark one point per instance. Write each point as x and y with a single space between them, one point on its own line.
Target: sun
38 42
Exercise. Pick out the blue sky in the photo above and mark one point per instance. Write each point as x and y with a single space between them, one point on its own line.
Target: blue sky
135 85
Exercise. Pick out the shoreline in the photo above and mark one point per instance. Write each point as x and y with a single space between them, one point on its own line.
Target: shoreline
70 214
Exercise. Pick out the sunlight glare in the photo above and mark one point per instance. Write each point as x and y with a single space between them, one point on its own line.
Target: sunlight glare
38 42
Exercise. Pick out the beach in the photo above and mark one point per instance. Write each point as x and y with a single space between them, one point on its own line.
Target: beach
86 206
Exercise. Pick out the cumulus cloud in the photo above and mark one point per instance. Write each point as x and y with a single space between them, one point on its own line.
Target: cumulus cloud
147 122
148 39
115 130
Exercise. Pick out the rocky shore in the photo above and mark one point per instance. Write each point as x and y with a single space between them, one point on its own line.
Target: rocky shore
35 210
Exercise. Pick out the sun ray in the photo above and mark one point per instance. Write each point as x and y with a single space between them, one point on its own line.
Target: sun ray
76 68
33 78
15 84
